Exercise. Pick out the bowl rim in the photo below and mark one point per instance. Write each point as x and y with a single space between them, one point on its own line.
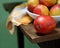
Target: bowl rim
37 14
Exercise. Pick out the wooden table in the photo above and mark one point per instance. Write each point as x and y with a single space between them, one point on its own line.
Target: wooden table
32 35
46 41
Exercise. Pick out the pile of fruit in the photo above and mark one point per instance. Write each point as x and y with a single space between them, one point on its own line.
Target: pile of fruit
46 7
44 23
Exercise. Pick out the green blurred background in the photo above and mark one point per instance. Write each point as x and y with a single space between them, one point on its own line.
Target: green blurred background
7 40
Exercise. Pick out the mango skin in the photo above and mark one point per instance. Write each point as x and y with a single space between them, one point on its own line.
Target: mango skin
48 2
33 2
58 2
55 10
41 10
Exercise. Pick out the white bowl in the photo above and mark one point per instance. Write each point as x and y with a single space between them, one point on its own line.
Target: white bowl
57 18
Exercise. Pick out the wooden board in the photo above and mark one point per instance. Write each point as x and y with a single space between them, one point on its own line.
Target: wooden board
31 34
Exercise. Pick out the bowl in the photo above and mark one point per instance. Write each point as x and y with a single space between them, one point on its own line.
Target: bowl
33 15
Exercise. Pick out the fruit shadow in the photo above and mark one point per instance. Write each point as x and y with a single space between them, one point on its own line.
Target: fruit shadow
53 32
58 24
